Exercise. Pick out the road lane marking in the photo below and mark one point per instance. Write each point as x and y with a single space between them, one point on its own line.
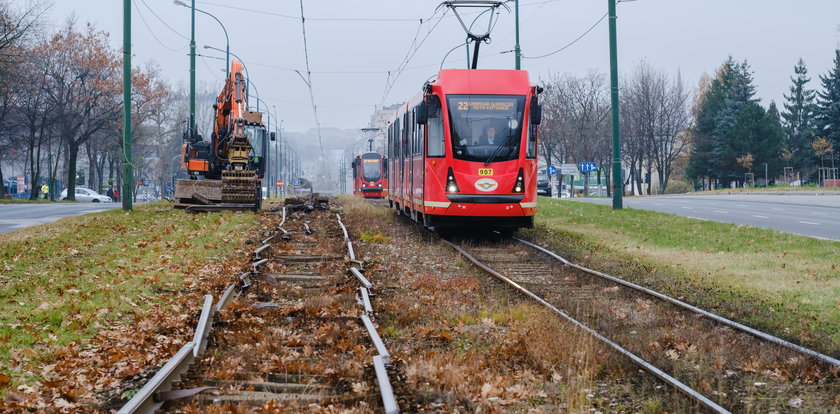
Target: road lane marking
688 208
659 204
721 211
818 213
757 216
809 222
779 209
739 205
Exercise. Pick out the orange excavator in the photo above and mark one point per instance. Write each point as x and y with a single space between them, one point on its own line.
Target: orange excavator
226 172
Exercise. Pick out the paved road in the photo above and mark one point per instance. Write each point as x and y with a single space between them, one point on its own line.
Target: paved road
17 216
810 215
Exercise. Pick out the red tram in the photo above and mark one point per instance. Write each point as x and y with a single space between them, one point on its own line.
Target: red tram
463 153
370 178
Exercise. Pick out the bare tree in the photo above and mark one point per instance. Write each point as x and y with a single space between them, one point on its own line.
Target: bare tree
15 28
579 111
83 85
655 116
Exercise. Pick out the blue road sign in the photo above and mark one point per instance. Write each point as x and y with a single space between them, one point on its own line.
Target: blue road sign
552 170
296 183
587 166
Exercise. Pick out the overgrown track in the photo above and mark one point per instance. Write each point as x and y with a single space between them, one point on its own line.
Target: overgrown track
290 335
711 361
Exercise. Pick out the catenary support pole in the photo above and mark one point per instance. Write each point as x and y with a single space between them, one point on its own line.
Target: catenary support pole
128 174
516 49
618 183
192 70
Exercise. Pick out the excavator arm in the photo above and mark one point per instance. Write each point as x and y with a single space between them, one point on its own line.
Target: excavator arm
230 167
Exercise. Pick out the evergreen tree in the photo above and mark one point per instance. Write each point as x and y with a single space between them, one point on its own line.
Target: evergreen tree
736 123
731 125
799 119
772 143
713 101
827 114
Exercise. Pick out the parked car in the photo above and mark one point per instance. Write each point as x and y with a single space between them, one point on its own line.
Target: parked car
543 184
86 194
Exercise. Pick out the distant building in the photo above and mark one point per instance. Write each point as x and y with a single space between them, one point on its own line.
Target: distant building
381 119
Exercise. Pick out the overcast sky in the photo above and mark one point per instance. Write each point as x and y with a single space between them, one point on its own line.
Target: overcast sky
350 57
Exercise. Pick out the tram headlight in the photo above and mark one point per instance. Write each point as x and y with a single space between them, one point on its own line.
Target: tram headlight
364 185
379 185
451 184
519 185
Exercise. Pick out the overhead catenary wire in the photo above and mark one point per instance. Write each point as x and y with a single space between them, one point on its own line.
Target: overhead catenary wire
152 32
389 85
570 43
309 85
163 21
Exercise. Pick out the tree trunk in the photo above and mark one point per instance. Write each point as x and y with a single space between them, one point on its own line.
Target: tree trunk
607 180
663 174
91 168
72 155
2 187
33 176
100 166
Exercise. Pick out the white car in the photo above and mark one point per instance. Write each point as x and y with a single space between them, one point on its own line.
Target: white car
86 194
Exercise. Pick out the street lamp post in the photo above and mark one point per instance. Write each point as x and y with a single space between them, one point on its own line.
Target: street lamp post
227 39
247 75
255 90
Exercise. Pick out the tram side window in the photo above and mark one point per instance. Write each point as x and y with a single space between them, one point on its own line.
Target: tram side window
434 128
531 149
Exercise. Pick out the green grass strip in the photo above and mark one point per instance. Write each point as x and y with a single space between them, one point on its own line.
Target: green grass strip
61 282
781 282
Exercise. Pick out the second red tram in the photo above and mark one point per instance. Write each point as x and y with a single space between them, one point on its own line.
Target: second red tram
463 152
370 178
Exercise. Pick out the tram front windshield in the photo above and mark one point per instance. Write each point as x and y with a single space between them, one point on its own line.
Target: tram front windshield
486 128
370 169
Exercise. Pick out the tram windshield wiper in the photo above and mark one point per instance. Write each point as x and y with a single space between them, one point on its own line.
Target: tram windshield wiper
498 149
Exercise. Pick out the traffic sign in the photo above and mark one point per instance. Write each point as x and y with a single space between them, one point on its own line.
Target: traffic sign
552 170
569 169
279 183
588 166
296 183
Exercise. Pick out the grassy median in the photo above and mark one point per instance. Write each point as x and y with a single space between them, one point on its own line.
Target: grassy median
62 282
780 282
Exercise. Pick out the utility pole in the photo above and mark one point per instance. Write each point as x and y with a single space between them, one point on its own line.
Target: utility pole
192 70
618 183
516 49
128 173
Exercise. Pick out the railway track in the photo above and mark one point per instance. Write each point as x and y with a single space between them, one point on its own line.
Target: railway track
719 364
294 333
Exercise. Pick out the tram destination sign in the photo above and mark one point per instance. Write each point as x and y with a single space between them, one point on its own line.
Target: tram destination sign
497 105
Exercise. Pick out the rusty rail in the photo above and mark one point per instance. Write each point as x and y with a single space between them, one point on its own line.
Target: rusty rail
382 360
159 389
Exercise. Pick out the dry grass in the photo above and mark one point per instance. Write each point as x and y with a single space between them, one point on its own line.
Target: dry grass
470 344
